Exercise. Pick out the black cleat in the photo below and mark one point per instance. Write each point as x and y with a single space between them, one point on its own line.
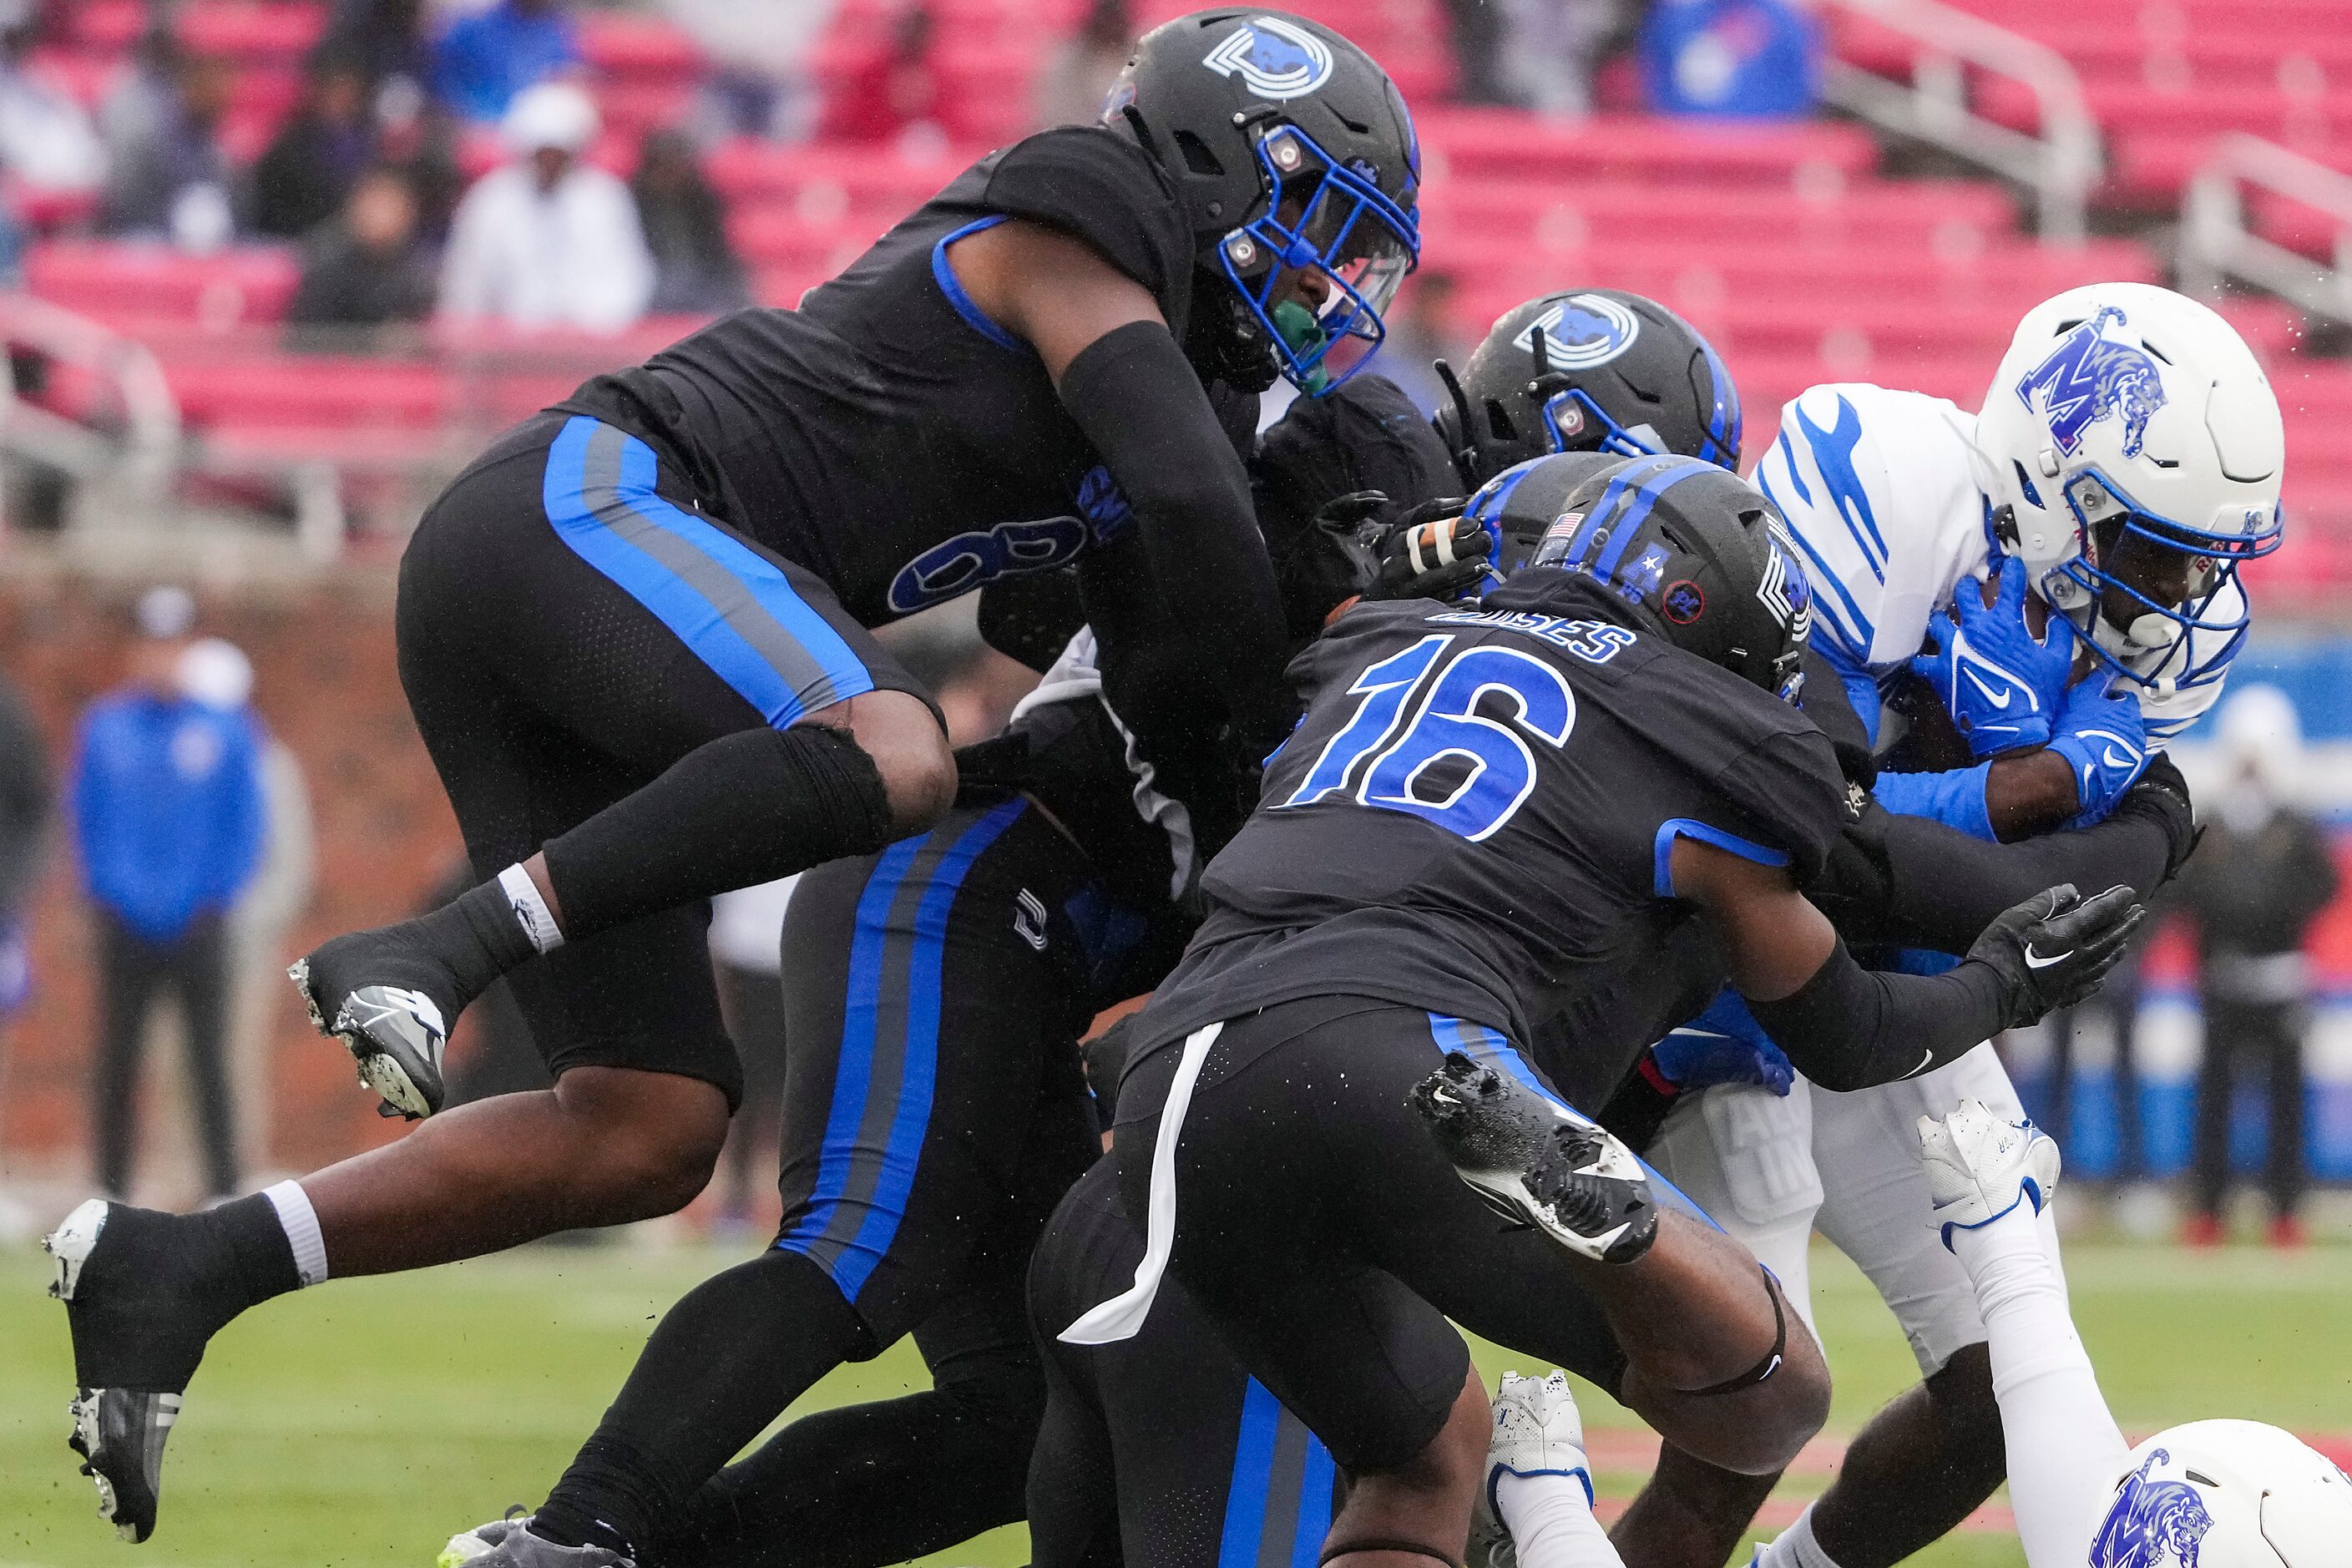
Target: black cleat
1535 1162
395 1032
119 1429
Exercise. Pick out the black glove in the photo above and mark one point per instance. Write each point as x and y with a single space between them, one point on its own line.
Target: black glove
1433 552
2161 796
2053 950
1350 526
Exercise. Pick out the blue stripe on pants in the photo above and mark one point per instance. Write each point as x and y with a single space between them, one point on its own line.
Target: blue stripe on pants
846 1157
736 609
1252 1467
1316 1488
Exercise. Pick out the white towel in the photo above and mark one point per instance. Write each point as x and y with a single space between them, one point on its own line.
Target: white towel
1121 1316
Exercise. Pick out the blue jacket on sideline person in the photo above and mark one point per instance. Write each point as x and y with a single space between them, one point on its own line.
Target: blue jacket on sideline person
168 811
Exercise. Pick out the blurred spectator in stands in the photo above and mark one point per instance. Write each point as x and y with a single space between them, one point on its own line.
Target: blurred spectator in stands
1747 59
896 88
2258 878
388 39
169 816
695 269
759 83
24 803
485 60
1419 334
217 673
1475 28
140 97
26 797
168 178
549 240
747 933
1071 89
364 272
414 139
47 143
319 154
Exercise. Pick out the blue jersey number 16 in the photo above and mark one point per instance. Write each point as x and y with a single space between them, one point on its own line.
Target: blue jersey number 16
1493 766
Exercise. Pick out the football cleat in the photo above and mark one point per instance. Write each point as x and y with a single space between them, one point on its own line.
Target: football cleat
1980 1167
1538 1432
396 1034
119 1432
1537 1163
510 1542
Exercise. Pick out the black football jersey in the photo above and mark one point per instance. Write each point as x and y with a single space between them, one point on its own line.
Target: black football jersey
1476 814
888 436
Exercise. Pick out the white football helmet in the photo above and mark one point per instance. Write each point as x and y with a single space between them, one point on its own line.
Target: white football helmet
2127 418
2226 1494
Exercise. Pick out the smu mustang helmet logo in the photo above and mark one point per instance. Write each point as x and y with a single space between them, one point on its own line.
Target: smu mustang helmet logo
1581 332
2153 1524
1274 58
2089 377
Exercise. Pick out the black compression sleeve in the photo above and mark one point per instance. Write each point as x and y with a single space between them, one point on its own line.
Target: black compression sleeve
1949 886
1849 1028
1136 397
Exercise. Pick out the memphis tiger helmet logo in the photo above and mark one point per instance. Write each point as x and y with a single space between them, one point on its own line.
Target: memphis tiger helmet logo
2091 377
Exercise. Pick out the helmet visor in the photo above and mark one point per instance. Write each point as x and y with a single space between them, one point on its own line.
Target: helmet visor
1339 250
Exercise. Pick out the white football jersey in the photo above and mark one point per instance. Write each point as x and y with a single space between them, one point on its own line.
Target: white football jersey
1889 500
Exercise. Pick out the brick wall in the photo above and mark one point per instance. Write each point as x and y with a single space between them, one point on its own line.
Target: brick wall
326 686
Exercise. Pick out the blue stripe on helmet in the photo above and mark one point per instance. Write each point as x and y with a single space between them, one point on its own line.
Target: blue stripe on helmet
1663 475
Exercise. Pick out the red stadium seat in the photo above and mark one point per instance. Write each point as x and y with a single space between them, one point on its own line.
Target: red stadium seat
116 282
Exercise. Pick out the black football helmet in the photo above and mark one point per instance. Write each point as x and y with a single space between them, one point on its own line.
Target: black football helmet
1292 152
1702 557
1593 369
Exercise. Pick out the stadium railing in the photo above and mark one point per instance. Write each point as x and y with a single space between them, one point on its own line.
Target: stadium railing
2221 238
1941 45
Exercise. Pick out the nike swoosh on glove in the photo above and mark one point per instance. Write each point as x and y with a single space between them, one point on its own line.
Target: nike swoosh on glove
2103 737
1434 553
2053 950
2001 684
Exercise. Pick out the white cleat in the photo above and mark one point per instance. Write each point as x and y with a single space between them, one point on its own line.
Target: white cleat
510 1543
1538 1432
1980 1167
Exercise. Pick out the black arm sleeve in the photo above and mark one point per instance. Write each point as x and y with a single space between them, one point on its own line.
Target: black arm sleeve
1136 398
1911 881
1032 618
1850 1028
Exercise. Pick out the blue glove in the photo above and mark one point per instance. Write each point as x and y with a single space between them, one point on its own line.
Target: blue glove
1722 1044
2001 683
2104 739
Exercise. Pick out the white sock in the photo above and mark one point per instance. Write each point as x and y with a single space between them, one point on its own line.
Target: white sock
1551 1524
530 910
1796 1547
301 1223
2065 1451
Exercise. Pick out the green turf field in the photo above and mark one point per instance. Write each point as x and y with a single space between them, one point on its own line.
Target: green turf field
364 1423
